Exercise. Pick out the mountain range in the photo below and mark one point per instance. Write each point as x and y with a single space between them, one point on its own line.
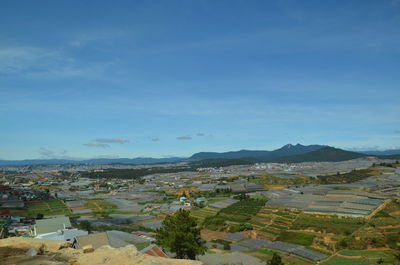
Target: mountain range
285 150
286 154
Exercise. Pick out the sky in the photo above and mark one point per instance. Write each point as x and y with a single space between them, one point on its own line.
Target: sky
91 79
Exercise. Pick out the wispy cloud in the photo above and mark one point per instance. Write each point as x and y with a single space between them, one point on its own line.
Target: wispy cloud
94 144
183 138
397 131
105 142
84 39
50 154
200 134
112 140
396 3
155 139
15 60
37 62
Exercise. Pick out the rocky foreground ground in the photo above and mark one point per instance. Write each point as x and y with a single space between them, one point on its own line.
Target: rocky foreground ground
29 251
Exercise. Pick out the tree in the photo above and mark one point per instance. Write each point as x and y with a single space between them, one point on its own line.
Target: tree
275 260
39 216
241 196
180 234
86 225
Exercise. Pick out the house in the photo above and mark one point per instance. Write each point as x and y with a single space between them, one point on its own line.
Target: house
5 214
113 238
45 226
154 250
64 234
201 200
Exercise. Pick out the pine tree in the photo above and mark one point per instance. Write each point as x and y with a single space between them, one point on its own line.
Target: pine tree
180 234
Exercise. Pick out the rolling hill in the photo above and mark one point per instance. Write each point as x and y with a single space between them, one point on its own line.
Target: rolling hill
286 150
326 154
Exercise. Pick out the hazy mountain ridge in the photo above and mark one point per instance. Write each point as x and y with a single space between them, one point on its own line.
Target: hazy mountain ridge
326 154
382 153
286 154
96 161
285 150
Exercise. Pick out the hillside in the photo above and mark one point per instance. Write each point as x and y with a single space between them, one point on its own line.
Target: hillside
14 250
326 154
286 150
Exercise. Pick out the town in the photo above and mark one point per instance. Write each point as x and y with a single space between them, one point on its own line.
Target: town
304 211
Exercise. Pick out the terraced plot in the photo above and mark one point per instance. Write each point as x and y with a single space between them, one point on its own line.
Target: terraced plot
238 213
47 207
203 213
99 205
383 230
361 257
270 222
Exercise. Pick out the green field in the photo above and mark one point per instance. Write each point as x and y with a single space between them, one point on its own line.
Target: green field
99 205
296 238
238 213
203 213
345 261
328 225
46 207
361 257
242 211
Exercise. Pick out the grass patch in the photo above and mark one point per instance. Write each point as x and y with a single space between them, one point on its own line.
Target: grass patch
296 238
345 261
46 207
328 225
266 251
269 231
99 205
239 212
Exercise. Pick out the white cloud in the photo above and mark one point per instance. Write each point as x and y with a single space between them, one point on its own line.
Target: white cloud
50 154
187 137
37 62
112 140
97 145
84 39
14 60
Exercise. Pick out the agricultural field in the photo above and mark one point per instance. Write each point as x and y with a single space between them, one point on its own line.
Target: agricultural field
46 207
277 181
361 257
270 222
328 225
235 214
203 213
99 205
381 231
288 259
303 239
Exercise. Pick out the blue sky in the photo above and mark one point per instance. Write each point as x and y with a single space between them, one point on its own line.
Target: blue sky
83 79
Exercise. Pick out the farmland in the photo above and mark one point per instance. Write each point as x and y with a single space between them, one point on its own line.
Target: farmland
361 257
296 238
239 212
327 225
288 259
99 205
270 221
46 207
203 213
382 231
